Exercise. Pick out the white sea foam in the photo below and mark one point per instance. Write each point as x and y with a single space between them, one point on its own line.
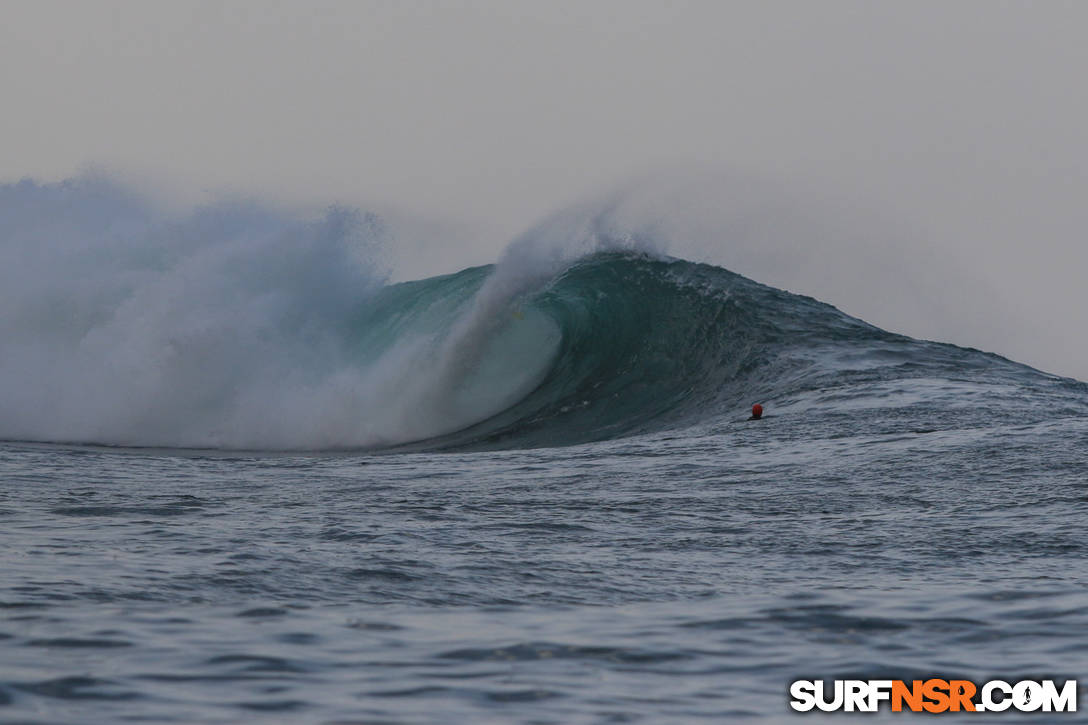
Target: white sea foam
229 325
124 324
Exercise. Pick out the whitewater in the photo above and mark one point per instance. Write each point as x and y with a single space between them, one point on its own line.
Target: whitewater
247 478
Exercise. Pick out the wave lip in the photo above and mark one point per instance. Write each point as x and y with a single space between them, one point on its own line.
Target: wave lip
648 344
240 327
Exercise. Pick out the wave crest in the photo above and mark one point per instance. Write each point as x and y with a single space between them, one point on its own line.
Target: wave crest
236 326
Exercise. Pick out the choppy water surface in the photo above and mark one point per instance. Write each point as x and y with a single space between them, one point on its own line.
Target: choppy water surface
670 578
539 501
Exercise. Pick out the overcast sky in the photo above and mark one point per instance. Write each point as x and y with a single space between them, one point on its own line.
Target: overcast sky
923 165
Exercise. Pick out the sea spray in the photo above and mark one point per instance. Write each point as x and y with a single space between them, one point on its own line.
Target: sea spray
526 266
219 327
237 326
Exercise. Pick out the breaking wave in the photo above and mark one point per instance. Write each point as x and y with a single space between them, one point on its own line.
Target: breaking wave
235 326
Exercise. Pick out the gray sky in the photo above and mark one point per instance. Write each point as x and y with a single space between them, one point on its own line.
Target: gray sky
923 165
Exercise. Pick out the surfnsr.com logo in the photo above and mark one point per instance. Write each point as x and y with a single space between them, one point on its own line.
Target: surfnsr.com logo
934 695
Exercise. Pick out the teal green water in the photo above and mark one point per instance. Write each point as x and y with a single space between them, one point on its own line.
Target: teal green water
241 480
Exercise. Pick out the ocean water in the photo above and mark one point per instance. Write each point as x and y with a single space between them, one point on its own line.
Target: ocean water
244 479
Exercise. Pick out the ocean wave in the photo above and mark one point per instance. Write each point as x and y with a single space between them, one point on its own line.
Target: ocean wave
235 326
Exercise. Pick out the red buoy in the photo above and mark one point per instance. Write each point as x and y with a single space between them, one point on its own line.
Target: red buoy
757 411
